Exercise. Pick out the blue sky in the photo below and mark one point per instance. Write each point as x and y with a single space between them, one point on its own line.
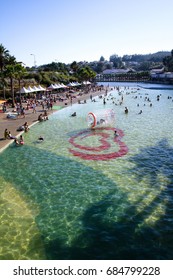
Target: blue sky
77 30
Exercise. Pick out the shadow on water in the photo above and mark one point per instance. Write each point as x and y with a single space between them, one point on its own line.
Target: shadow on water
105 239
108 222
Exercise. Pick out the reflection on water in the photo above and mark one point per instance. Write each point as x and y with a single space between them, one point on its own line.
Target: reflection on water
58 206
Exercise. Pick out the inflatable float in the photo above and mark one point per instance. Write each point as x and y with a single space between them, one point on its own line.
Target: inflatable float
101 118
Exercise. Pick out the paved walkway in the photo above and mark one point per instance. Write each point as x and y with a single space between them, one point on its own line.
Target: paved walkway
31 118
13 124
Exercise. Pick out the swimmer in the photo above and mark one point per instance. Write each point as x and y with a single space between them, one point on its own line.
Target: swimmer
126 110
21 140
102 121
16 142
41 138
115 133
40 118
73 115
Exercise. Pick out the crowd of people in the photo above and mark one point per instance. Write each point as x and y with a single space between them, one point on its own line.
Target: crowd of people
26 107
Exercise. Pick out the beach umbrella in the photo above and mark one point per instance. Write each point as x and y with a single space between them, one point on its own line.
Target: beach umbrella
2 101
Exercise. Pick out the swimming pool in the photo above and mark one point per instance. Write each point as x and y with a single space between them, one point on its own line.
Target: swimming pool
70 197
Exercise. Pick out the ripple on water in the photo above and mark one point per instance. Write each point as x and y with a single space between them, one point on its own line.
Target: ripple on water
57 206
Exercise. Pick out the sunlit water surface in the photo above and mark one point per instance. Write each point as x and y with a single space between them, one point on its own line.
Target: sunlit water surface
54 205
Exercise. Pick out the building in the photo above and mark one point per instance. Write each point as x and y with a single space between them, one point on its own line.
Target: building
159 74
117 71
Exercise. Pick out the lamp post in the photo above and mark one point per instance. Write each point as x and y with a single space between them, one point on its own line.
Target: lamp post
34 60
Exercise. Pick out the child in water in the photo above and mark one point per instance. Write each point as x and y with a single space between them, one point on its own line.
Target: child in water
16 142
21 140
115 133
41 138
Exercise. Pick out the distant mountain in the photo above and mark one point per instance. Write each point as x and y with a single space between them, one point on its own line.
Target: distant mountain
154 57
161 53
158 56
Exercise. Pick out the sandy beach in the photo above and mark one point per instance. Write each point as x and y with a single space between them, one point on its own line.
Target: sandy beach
32 118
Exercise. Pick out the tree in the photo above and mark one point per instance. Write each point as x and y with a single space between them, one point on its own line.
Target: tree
20 72
102 59
4 55
86 73
168 62
99 67
11 72
74 66
117 61
3 83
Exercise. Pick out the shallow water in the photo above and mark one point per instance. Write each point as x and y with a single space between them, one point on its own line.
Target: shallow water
83 194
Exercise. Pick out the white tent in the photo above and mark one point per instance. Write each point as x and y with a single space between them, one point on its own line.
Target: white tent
70 85
36 88
52 87
58 85
23 90
76 84
41 88
63 86
30 89
86 83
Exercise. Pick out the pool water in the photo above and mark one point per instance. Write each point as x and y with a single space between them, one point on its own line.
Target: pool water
87 194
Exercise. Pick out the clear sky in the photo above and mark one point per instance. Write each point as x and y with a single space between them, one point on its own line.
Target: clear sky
78 30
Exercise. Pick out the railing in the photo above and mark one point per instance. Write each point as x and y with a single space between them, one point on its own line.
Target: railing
121 78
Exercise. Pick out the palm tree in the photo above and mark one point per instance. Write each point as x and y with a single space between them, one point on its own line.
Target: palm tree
20 73
11 60
14 71
4 55
3 83
11 72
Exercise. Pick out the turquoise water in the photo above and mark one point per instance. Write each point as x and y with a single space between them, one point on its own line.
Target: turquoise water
58 203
